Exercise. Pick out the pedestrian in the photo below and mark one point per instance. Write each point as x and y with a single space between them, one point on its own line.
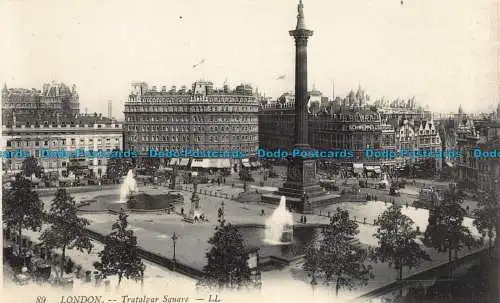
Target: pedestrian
182 211
262 212
305 219
301 219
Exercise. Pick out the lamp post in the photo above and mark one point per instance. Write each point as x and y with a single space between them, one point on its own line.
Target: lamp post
174 239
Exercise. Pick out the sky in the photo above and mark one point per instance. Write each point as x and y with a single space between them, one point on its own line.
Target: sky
443 52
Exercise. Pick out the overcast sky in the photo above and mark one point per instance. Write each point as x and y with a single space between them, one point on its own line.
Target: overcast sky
440 51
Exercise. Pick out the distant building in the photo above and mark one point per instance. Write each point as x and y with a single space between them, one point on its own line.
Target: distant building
489 168
334 127
467 165
396 116
316 100
199 118
420 135
56 99
91 133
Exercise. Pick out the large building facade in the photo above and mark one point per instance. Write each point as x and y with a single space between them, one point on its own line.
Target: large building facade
90 133
332 128
199 118
419 135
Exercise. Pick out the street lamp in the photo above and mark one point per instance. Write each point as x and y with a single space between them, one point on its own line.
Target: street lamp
174 239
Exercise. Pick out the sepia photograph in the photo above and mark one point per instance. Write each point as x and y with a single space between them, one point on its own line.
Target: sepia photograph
163 151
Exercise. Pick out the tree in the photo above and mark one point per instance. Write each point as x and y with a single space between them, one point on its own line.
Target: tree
117 167
31 166
22 208
66 230
338 259
396 241
227 265
486 216
446 230
120 254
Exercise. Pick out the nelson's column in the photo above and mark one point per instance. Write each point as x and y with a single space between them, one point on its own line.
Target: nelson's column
301 188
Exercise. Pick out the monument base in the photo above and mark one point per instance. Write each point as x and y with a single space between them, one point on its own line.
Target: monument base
297 204
287 237
301 189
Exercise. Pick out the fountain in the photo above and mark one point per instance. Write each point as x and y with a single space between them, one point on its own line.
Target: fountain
194 205
384 182
129 186
279 227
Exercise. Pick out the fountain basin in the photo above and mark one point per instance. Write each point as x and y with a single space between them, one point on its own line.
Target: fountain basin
276 254
142 201
279 227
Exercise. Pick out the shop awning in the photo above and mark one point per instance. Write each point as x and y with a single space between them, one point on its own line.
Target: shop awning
184 162
358 167
200 163
222 163
211 163
174 161
449 164
245 162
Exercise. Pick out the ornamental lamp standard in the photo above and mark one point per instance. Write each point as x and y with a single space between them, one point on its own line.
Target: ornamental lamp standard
174 239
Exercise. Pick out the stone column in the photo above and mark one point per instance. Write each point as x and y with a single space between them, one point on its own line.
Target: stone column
301 93
301 35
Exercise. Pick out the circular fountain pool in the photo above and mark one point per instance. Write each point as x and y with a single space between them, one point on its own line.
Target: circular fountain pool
280 252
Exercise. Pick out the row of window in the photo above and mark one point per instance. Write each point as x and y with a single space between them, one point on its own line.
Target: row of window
33 105
171 128
192 118
183 100
420 132
46 124
48 164
194 109
148 138
281 116
433 140
248 148
72 141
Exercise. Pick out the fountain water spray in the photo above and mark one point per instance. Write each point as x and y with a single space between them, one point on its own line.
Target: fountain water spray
279 227
129 186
